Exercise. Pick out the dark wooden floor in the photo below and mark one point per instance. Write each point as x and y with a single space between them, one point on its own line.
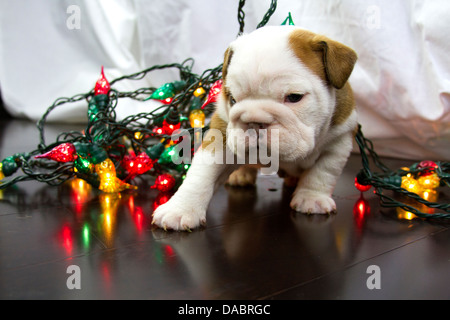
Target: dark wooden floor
253 247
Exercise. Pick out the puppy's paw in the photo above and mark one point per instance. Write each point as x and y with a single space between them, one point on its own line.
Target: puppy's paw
243 177
178 216
313 202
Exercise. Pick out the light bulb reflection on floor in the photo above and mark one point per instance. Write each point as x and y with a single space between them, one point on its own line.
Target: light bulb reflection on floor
361 210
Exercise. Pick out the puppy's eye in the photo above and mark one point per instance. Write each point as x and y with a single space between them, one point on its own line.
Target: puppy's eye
293 98
232 101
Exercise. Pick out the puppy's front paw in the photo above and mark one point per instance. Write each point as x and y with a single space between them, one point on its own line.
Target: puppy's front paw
243 177
313 202
179 216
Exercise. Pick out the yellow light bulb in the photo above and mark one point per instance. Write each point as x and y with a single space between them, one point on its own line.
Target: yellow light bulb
411 184
429 182
109 183
138 135
197 118
430 195
199 92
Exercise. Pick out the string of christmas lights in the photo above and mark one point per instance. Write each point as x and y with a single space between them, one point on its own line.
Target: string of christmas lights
110 151
415 188
110 155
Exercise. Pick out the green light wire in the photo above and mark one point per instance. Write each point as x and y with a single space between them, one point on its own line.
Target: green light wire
385 181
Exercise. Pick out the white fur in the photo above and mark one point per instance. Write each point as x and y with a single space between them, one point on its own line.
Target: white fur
186 209
262 72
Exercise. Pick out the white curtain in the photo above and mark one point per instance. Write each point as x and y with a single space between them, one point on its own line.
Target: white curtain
51 49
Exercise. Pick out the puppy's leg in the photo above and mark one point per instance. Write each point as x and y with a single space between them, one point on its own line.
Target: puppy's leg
244 176
187 207
316 185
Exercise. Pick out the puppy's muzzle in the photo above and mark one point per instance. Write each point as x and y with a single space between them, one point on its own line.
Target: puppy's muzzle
253 115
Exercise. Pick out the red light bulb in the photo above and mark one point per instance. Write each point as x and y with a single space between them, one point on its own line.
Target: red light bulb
158 130
428 167
65 152
171 122
361 187
169 128
167 101
164 182
136 165
213 92
102 85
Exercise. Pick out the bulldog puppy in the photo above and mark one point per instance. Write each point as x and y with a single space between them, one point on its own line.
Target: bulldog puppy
282 82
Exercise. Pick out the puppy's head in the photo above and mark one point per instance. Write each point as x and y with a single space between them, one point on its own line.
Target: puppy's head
285 79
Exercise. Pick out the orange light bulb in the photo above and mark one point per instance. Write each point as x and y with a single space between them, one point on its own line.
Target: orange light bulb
109 183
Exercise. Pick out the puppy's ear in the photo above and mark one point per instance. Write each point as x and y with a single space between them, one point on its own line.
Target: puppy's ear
226 62
338 60
330 60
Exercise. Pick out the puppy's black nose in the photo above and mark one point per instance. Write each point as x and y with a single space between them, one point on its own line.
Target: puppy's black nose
257 125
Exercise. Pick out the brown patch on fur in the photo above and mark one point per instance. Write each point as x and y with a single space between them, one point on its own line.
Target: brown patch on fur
332 62
345 104
338 59
216 121
219 124
226 62
301 42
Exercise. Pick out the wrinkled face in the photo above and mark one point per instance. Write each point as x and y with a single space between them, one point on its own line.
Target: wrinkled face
275 80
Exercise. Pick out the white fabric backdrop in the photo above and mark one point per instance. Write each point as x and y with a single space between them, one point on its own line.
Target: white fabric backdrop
401 80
